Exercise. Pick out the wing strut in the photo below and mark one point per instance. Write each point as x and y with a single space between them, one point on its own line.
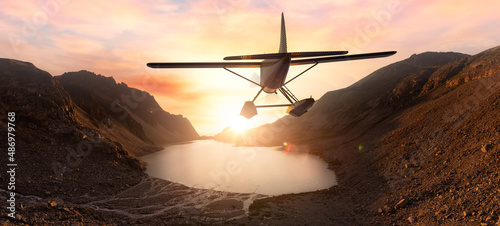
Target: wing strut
289 96
301 73
273 106
257 94
243 77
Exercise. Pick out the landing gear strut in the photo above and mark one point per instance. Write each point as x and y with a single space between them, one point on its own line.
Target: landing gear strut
296 108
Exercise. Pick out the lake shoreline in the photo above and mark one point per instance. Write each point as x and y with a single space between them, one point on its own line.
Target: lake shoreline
211 164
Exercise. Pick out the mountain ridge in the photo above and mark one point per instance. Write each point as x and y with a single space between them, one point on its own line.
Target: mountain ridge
137 110
54 148
66 138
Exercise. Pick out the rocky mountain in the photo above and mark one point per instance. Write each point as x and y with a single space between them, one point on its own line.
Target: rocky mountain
73 141
112 104
417 141
53 148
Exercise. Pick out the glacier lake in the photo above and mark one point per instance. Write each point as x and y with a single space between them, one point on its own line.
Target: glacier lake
209 164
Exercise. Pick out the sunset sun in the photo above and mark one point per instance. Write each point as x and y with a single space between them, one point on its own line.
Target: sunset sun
240 124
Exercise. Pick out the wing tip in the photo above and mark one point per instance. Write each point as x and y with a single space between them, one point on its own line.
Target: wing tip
152 65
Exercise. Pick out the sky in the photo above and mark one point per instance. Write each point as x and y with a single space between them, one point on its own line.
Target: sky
118 38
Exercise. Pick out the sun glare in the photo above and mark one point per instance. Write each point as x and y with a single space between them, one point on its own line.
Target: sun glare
240 124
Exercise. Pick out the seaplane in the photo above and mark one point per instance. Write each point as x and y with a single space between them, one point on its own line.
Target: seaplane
274 70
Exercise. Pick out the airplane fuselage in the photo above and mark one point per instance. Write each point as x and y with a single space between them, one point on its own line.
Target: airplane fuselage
273 73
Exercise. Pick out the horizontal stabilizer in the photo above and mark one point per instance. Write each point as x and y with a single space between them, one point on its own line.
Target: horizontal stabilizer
341 58
317 53
256 56
280 55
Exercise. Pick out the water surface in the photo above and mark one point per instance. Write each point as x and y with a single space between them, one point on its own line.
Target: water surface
220 166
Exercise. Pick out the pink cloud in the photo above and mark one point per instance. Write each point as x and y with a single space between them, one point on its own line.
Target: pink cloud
169 86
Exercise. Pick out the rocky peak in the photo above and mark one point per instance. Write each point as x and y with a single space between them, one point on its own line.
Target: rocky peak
136 110
32 92
51 139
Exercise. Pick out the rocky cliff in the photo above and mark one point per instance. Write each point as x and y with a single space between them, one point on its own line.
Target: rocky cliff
54 150
75 138
119 106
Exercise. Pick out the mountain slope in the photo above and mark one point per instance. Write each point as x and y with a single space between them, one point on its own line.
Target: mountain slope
68 132
357 108
443 155
112 104
424 148
54 152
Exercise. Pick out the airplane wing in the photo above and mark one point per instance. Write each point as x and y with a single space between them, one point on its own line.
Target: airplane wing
341 58
263 56
206 65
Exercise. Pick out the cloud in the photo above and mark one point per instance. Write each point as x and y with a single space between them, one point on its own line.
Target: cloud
169 86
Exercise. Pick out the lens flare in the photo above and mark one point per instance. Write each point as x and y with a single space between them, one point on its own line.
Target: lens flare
287 146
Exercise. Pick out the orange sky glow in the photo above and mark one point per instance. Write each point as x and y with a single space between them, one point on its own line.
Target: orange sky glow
118 38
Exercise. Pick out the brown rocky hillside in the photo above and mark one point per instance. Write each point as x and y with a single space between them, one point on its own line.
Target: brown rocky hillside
69 143
416 142
119 106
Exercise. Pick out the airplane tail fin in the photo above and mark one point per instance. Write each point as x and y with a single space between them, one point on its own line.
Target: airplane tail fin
283 48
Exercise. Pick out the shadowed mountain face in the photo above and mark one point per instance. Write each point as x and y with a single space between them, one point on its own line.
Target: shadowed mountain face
54 150
73 138
107 102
